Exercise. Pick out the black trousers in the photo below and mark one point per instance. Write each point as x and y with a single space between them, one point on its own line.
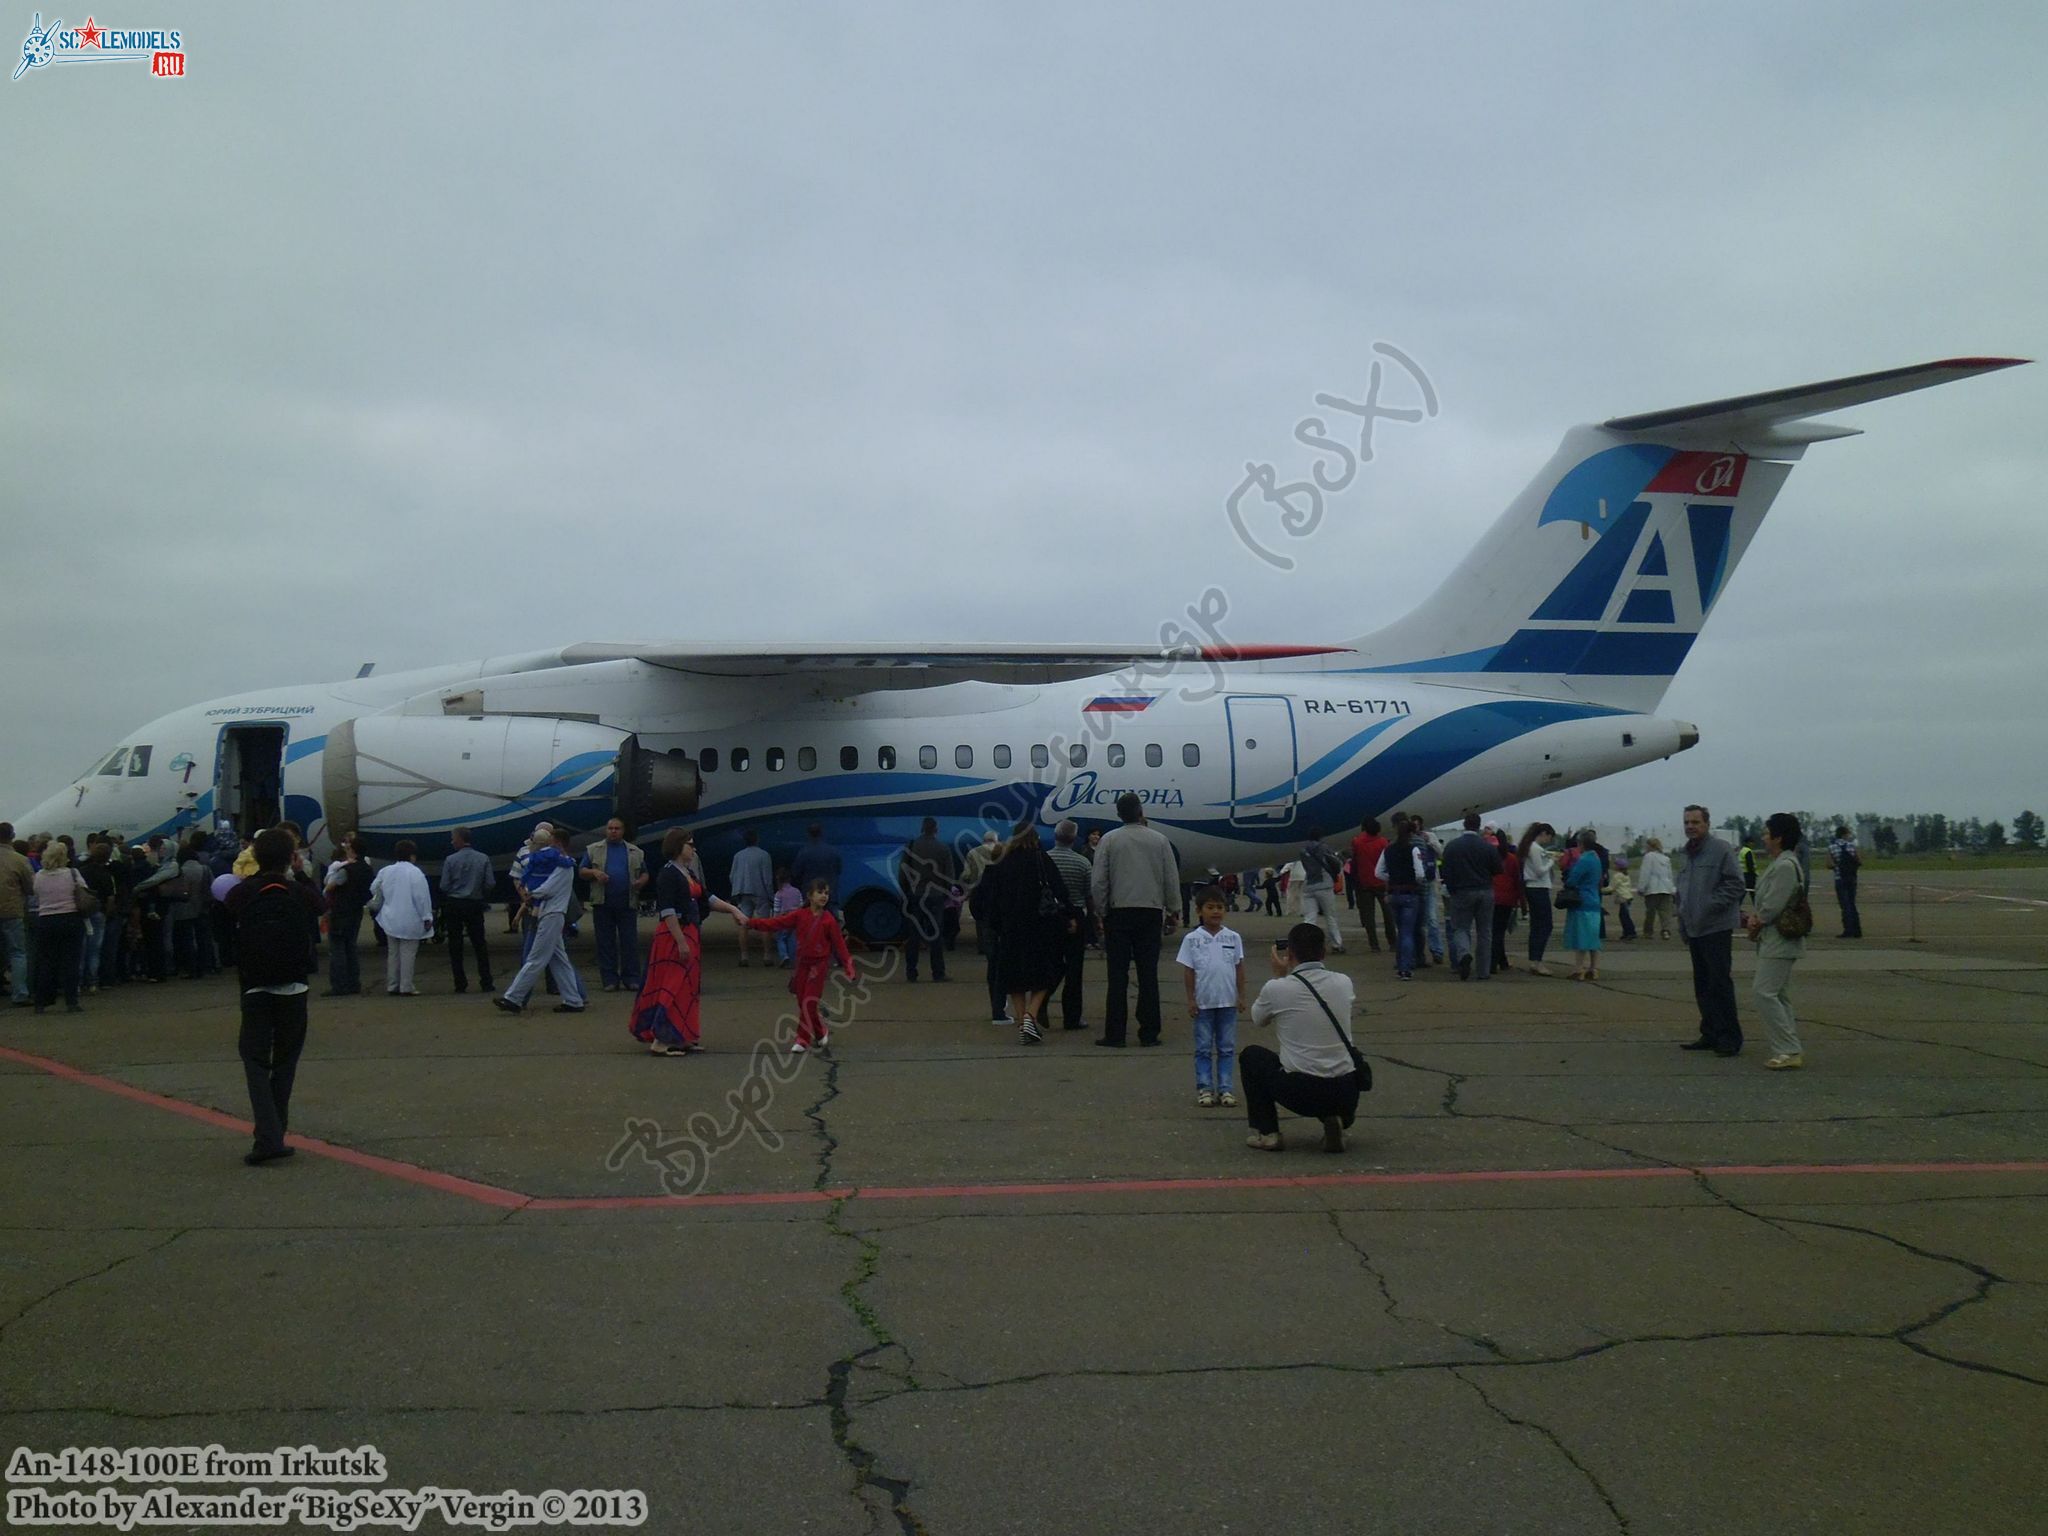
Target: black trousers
1713 988
463 918
60 940
273 1034
924 927
1130 936
1374 900
1270 1088
1074 952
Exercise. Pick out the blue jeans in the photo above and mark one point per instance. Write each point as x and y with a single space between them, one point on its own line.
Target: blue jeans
1215 1036
1432 920
89 956
785 946
1407 907
344 966
14 931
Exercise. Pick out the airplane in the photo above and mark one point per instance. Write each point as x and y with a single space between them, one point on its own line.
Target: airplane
1538 664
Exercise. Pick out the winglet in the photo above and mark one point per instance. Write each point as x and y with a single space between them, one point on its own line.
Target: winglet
1746 412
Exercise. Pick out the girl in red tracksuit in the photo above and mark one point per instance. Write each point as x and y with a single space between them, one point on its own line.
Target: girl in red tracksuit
818 943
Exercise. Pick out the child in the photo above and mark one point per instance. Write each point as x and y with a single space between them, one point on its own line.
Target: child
818 943
787 899
1212 956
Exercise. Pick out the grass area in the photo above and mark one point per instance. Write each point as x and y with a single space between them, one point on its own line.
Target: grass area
2011 858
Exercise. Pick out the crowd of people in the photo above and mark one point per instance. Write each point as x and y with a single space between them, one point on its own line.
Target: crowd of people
117 915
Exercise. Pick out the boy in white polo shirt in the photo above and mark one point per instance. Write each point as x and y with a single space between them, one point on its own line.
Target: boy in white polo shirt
1212 959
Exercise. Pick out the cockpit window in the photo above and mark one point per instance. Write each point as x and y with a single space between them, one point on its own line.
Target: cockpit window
115 765
138 762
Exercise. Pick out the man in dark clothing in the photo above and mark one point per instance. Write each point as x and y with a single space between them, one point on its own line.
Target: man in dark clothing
1710 897
1078 874
816 860
1134 885
1469 864
466 881
274 953
926 879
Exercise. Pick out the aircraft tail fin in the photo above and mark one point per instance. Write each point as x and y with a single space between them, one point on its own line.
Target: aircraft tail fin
1595 582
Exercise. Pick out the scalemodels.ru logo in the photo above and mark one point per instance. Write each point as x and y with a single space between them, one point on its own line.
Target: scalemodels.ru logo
95 44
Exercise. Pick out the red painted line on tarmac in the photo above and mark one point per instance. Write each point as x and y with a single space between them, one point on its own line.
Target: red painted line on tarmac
509 1199
410 1173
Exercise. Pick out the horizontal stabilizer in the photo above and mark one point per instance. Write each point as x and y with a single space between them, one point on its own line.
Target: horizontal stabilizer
1744 413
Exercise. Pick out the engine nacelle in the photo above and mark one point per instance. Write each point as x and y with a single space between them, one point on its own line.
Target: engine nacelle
420 776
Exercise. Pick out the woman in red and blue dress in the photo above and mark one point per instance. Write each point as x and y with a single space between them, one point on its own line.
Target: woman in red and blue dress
665 1012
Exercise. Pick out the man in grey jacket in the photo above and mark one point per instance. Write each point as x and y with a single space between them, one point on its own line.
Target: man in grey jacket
1470 862
1710 892
1137 894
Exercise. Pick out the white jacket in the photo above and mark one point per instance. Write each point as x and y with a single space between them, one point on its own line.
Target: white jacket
401 900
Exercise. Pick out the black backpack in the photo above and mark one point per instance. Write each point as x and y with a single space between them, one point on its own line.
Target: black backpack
273 942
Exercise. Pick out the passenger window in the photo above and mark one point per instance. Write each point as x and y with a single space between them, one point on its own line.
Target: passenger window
806 759
1191 755
1040 758
927 757
739 759
963 757
772 760
849 758
1077 754
885 757
111 768
707 759
138 763
1153 756
1116 754
1002 755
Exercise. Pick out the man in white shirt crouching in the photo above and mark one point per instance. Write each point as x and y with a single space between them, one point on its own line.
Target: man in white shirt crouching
1312 1073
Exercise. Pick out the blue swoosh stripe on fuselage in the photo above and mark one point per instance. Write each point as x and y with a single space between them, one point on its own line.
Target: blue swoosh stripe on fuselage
1322 767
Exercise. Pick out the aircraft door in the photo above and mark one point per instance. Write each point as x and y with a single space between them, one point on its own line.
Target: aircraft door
1263 766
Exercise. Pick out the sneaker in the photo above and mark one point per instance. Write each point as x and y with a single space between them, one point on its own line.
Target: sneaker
1788 1063
1028 1031
680 1050
1226 1099
1205 1099
506 1005
260 1156
1333 1134
797 1048
1464 967
823 1041
1260 1143
1002 1018
568 1008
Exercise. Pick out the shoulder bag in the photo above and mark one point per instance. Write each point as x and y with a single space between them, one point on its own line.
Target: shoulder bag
1796 921
1358 1062
82 896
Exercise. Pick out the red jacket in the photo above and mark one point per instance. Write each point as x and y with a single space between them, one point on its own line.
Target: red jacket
1507 885
818 939
1366 849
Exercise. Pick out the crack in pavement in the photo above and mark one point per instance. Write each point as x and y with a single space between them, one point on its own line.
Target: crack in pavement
1592 1479
867 1471
76 1280
1392 1310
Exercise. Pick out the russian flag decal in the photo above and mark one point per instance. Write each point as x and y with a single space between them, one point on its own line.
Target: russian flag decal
1119 704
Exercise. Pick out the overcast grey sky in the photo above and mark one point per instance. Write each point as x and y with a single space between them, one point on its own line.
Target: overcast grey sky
412 334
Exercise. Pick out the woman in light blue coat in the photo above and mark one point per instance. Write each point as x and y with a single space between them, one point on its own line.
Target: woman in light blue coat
1778 888
1582 921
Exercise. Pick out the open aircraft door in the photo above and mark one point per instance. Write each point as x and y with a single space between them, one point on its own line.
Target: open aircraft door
1263 765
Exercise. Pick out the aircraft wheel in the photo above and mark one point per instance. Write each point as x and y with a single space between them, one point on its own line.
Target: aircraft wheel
874 917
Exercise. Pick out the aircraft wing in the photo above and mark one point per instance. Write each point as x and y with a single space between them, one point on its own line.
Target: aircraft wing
862 668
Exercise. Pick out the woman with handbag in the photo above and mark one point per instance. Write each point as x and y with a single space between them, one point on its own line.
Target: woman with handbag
1778 927
1033 915
62 899
1580 899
